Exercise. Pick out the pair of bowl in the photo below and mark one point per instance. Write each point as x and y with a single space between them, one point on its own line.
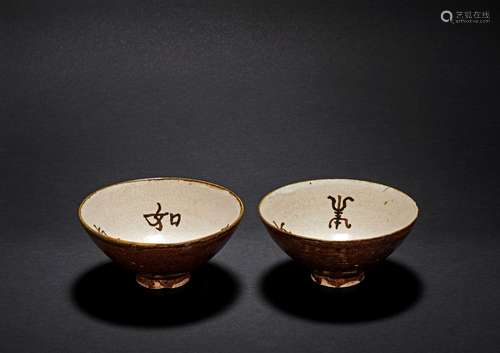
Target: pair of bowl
164 228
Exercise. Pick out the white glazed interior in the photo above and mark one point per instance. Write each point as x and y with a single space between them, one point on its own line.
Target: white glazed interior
119 210
305 209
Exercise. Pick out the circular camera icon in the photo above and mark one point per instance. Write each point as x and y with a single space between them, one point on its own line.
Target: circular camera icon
447 16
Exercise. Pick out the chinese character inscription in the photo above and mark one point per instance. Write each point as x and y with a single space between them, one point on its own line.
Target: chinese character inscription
156 219
339 206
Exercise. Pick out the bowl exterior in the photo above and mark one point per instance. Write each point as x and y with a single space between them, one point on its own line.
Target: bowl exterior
338 258
168 259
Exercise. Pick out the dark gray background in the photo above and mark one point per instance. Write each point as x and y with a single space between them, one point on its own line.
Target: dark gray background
251 96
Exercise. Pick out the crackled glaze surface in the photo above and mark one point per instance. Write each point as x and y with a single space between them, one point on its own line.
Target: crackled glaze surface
338 228
338 209
160 211
162 228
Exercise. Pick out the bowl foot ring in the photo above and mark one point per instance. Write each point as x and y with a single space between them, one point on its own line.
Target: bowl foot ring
336 281
163 281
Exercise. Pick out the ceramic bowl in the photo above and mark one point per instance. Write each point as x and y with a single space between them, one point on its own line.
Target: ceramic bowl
161 228
338 228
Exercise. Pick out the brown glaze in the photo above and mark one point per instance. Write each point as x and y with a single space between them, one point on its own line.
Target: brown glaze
161 281
162 265
327 279
337 263
161 260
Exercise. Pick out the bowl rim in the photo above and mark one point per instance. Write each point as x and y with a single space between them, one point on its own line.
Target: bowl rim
352 241
119 241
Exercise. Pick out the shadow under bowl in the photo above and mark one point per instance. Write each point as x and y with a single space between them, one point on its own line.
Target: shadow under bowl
388 290
107 292
338 228
161 228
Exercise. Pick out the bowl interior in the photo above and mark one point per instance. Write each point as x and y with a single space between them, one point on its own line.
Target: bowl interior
160 211
338 209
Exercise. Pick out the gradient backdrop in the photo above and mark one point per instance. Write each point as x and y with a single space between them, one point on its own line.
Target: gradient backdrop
252 96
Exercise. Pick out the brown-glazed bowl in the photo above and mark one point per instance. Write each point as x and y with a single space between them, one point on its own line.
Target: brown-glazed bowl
338 228
161 228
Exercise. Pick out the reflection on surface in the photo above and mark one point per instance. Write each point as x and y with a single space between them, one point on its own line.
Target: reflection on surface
340 236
